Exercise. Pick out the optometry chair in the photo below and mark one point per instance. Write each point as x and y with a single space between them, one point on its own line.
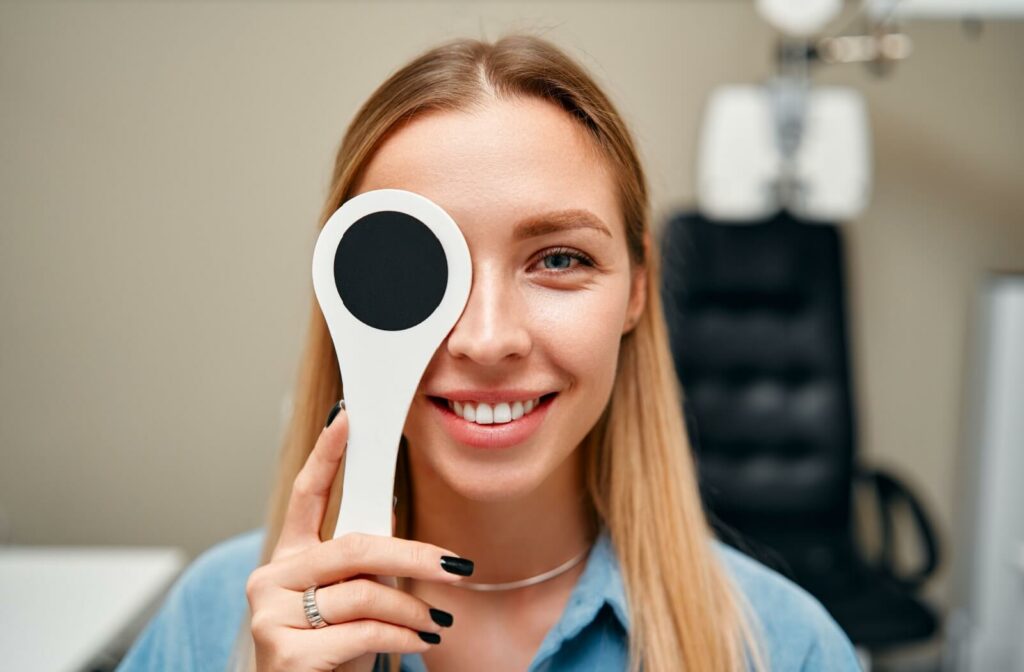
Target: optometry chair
756 314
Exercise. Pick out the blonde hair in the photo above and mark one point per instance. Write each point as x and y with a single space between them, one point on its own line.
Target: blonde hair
685 613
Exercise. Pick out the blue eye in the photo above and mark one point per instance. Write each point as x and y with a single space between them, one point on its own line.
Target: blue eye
557 261
561 259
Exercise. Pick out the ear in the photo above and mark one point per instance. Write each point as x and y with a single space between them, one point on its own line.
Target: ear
638 290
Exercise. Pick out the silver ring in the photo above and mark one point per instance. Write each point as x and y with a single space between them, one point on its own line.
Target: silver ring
309 606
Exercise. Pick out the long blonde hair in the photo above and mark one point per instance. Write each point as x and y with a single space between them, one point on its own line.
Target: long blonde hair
685 613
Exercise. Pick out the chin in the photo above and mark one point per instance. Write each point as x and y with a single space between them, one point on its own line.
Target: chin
490 478
490 483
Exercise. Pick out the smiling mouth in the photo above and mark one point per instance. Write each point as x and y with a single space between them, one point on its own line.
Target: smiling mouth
494 414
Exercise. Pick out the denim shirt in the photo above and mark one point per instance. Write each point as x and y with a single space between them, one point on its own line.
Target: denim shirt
197 624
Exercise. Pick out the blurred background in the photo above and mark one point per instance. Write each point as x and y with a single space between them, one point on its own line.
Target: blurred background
164 165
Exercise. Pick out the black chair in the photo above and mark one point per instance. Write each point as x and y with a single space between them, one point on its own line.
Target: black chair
756 315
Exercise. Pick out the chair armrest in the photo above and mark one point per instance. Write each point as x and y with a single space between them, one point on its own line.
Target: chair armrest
889 491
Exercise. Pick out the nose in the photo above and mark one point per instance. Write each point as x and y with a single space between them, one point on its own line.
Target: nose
492 327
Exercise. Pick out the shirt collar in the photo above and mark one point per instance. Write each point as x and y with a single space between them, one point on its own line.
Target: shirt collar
603 578
599 585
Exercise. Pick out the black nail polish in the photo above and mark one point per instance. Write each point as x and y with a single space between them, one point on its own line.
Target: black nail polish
442 618
453 565
430 637
333 414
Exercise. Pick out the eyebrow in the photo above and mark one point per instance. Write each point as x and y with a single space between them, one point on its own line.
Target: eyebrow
559 220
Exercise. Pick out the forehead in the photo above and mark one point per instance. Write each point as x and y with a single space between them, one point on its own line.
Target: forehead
502 161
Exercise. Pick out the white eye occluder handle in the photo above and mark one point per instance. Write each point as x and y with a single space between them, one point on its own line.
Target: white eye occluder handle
392 274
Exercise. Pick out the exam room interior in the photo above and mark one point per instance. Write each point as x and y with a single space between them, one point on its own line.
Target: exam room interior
164 166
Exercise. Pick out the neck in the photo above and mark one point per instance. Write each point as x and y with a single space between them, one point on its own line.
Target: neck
510 539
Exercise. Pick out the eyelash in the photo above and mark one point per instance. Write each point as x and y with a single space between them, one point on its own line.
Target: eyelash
568 252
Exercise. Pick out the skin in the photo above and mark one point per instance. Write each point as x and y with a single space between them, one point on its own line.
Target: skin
535 319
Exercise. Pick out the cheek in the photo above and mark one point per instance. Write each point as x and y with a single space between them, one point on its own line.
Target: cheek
580 330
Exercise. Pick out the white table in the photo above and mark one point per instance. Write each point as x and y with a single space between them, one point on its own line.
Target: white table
63 608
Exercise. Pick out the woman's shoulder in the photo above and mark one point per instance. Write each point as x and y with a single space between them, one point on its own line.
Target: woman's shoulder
214 583
227 561
797 632
196 625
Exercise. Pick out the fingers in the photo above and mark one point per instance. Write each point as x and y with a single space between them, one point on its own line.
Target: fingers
311 489
363 617
330 647
352 554
366 636
337 644
363 598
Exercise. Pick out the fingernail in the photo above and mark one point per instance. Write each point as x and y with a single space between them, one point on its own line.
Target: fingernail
453 565
430 637
334 412
442 618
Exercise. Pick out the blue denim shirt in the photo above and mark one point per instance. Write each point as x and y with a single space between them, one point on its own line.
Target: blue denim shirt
196 626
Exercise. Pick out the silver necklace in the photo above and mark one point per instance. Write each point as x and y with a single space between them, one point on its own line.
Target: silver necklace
529 581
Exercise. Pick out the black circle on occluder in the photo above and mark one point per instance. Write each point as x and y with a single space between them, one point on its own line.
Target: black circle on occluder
390 270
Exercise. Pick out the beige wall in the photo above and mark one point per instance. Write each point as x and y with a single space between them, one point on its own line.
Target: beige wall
163 167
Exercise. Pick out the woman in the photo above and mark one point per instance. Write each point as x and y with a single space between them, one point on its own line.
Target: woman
547 515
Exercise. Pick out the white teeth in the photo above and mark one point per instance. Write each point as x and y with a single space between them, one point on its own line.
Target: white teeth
485 414
502 413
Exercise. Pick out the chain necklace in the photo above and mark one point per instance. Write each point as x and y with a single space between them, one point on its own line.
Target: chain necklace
529 581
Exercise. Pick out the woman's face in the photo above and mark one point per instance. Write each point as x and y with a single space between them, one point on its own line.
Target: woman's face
553 291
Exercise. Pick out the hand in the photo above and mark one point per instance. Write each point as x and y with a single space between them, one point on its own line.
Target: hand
364 616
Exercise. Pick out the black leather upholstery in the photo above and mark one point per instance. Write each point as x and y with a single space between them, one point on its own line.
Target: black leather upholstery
756 314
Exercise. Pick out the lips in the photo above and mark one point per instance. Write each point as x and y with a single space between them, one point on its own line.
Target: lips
494 435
